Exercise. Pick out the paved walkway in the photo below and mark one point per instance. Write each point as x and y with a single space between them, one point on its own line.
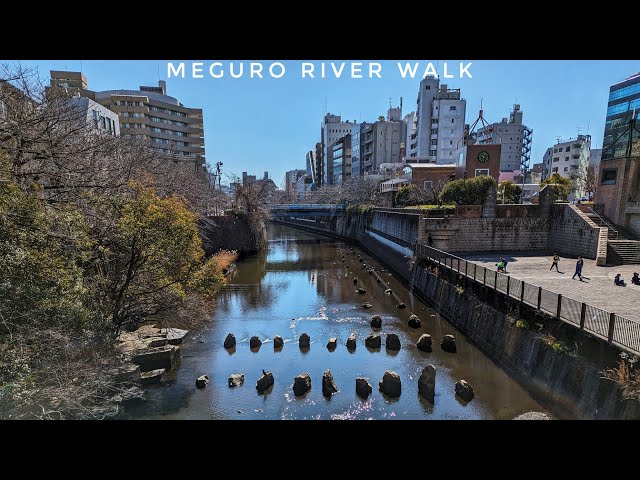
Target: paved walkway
597 289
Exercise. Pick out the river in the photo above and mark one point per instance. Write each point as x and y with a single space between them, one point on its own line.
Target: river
301 285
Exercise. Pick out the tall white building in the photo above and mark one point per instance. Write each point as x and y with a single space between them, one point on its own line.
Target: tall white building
411 142
333 129
567 158
440 122
514 137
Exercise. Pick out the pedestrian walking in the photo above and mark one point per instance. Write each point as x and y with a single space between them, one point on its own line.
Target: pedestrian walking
556 259
578 272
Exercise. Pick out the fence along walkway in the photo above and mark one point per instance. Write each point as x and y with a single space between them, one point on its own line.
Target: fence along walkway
608 326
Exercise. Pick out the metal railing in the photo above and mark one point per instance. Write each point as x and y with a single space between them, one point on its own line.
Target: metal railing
615 329
610 227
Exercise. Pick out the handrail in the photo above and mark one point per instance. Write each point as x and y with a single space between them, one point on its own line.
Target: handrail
607 326
615 230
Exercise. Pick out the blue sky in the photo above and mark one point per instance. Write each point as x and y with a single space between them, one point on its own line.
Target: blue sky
269 124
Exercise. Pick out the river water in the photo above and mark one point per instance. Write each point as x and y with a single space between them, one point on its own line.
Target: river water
301 285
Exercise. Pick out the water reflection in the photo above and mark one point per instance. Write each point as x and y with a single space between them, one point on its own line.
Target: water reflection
300 285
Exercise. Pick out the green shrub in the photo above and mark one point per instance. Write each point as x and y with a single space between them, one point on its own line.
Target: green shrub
468 192
522 324
559 347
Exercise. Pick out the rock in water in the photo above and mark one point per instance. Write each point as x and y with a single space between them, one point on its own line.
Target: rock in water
414 321
373 340
533 416
264 382
401 306
255 342
202 381
278 342
230 341
328 385
366 305
376 321
355 281
301 384
388 291
390 384
362 291
449 344
392 342
464 390
427 383
363 388
333 344
305 341
236 379
351 342
424 343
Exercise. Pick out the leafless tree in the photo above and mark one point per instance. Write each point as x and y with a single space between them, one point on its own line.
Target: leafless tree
354 191
586 179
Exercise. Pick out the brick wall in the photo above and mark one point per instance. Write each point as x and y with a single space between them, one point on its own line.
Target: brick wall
573 233
488 234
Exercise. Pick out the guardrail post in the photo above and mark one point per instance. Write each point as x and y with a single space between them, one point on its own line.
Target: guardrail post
475 268
508 278
539 297
522 292
458 265
466 268
559 306
495 281
612 326
485 276
583 315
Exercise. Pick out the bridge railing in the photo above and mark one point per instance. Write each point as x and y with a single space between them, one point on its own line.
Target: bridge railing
615 329
308 206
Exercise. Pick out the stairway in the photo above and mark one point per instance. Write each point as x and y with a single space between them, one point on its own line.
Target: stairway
623 246
623 252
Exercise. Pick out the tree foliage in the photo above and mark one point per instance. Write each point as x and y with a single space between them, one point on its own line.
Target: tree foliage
508 192
561 187
409 195
473 191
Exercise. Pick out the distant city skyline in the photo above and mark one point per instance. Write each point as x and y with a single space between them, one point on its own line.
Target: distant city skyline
257 125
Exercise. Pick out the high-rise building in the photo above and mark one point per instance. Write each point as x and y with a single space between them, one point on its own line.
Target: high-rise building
411 141
514 137
356 170
568 158
595 157
339 154
291 179
148 112
624 101
98 117
332 130
380 142
440 122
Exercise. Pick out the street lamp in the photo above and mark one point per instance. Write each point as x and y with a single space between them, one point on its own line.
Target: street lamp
219 175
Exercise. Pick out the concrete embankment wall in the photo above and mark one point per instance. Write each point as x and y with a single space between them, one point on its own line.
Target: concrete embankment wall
569 383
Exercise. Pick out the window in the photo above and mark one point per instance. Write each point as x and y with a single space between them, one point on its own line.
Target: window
434 142
566 159
452 108
555 150
567 149
434 131
433 153
566 169
555 169
450 142
556 159
453 120
434 122
482 171
452 131
609 176
427 87
428 184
